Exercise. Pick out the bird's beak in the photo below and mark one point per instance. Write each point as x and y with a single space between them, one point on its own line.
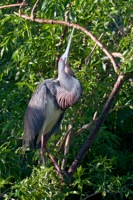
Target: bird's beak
65 56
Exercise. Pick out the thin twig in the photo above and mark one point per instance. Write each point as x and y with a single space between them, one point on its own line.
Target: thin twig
67 12
88 126
118 55
66 147
91 195
84 127
14 5
2 194
20 7
116 108
88 59
120 30
63 142
33 10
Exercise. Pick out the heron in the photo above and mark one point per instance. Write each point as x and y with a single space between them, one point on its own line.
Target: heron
48 103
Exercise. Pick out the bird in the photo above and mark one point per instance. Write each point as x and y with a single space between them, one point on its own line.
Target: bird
48 104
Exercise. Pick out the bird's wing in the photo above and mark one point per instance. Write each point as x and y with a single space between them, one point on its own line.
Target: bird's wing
35 114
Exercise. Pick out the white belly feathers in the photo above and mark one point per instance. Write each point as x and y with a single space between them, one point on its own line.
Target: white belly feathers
54 114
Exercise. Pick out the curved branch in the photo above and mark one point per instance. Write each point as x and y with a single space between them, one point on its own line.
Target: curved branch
88 33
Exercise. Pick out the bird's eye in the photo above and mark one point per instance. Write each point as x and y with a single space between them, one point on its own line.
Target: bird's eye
61 59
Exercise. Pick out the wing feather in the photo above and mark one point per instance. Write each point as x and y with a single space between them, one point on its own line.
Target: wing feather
35 114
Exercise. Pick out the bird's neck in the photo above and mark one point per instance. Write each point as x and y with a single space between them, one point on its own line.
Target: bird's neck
64 77
62 73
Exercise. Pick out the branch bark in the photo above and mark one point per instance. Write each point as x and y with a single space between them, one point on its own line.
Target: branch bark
14 5
98 124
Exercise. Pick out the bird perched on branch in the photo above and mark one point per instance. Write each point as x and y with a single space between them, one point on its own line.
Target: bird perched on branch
48 103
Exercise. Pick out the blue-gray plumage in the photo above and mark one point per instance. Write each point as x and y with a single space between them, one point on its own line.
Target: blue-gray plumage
46 108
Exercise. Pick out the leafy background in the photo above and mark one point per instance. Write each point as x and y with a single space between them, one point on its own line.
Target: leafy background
27 56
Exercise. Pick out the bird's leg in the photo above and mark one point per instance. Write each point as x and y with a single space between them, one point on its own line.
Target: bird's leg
52 159
43 145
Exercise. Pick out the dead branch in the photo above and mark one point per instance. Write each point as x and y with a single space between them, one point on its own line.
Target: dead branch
14 5
76 26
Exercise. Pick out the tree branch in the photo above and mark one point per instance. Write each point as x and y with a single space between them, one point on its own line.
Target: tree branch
119 107
91 195
14 5
20 7
98 124
67 146
70 24
88 59
120 30
33 9
87 126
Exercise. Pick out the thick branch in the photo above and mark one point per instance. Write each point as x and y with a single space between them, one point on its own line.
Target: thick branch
64 23
97 126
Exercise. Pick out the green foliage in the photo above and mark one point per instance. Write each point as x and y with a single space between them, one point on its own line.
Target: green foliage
27 56
43 183
100 179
